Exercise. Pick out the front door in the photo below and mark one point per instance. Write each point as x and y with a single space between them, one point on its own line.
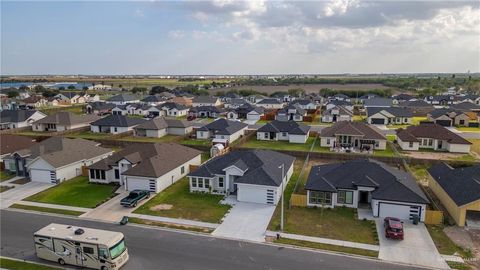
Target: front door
439 144
363 197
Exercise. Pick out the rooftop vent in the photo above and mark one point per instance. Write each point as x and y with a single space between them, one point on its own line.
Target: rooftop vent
79 231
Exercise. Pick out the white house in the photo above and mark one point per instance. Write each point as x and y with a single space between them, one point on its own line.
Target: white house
206 101
336 114
160 126
270 103
62 121
122 99
356 136
389 116
115 124
222 130
256 176
290 131
19 118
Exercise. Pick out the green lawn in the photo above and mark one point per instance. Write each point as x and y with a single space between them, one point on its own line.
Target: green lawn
397 126
195 142
466 157
420 172
417 119
444 244
205 156
75 192
47 210
76 109
391 138
356 251
19 265
5 188
279 145
166 138
388 152
186 205
4 176
359 118
471 129
89 135
169 225
475 145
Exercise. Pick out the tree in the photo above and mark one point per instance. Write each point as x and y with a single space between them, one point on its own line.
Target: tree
39 88
158 89
12 94
85 88
71 87
139 90
61 88
296 92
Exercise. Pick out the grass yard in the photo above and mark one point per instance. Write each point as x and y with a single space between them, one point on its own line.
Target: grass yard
5 188
47 210
76 109
19 265
166 138
356 251
205 156
444 244
89 135
459 266
169 225
75 192
388 152
185 205
469 129
417 119
359 118
420 172
391 138
279 145
4 176
475 145
195 142
466 157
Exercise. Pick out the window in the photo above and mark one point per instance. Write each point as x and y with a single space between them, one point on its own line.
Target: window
92 174
182 170
405 120
265 135
328 141
377 144
410 144
345 197
207 183
220 182
284 134
102 174
430 142
194 182
97 174
88 250
200 182
115 129
117 174
320 197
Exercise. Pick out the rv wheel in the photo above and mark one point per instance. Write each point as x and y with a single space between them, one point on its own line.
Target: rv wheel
61 261
104 268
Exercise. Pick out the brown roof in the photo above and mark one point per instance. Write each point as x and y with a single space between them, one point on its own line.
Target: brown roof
68 118
60 151
32 99
429 130
153 160
11 143
353 128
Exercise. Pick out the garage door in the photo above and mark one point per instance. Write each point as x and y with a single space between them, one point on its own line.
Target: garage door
400 211
378 121
43 176
255 195
445 123
142 184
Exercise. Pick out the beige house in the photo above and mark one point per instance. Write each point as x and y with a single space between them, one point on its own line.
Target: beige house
459 191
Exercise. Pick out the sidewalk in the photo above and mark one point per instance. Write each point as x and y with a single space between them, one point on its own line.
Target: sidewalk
324 241
55 206
185 222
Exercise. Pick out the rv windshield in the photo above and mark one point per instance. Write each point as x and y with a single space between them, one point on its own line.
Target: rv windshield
117 249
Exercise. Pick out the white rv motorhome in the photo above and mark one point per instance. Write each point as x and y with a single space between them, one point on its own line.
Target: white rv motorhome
84 247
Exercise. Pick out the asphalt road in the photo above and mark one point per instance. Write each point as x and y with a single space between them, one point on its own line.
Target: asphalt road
152 248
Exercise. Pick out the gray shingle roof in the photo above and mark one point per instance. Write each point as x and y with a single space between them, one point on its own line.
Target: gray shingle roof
269 101
15 116
122 98
368 132
67 118
261 167
118 121
430 130
290 127
162 123
461 184
377 102
225 127
396 111
389 183
204 99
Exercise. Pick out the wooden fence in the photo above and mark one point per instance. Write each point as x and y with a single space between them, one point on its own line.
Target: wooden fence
298 200
434 217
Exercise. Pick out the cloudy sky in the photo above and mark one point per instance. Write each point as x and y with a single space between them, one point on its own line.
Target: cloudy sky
239 37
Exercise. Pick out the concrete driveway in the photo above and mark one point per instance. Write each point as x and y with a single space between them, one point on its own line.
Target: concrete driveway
246 221
21 192
112 210
416 249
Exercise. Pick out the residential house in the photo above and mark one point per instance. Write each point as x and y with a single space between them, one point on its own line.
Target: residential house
154 100
377 102
337 103
389 116
270 103
182 100
365 183
397 99
19 118
58 101
99 108
152 167
448 117
284 98
120 110
341 97
418 107
305 104
458 189
204 101
336 114
34 102
431 136
21 93
205 112
353 136
466 107
255 176
74 97
138 109
11 143
100 87
222 131
122 99
115 124
234 103
470 98
174 109
160 126
441 100
56 159
291 113
254 99
246 111
290 131
62 121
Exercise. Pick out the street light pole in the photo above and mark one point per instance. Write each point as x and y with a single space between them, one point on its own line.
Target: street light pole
283 193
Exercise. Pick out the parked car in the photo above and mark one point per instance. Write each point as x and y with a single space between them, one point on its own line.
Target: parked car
134 197
190 118
393 228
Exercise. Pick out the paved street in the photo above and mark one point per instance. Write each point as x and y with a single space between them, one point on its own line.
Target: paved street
159 249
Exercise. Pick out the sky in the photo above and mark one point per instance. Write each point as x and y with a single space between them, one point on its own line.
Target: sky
239 37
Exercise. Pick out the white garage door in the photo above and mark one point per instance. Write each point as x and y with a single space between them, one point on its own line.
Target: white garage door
400 211
43 176
142 184
255 195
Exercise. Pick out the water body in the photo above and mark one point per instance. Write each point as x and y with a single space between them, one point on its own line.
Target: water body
78 86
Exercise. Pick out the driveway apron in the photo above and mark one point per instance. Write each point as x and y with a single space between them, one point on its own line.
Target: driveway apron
21 192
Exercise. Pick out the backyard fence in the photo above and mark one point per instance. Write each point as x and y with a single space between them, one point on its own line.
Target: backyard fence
298 200
433 217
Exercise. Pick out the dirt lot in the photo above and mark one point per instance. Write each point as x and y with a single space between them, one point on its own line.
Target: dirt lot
432 155
309 88
466 238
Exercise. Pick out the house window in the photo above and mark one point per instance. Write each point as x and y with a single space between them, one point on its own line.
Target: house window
115 129
345 197
92 174
182 170
405 120
200 182
102 173
430 142
117 174
207 183
377 144
97 174
410 144
320 197
265 135
220 182
194 182
328 141
284 134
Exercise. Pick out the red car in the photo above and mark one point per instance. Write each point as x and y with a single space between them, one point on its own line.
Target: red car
393 228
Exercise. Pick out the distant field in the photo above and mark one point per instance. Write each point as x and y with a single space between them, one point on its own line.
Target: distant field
309 88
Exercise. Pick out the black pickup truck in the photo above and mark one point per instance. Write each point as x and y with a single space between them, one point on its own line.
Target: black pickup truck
134 198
